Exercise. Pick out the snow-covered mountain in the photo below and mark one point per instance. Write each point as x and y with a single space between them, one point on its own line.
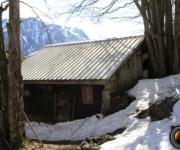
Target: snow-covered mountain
35 34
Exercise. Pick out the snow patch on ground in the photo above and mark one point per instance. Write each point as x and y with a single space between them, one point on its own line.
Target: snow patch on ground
150 91
140 134
81 129
143 134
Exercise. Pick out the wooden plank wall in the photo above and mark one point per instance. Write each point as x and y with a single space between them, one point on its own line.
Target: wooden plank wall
128 74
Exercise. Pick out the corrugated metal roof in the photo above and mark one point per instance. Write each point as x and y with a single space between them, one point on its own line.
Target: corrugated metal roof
94 60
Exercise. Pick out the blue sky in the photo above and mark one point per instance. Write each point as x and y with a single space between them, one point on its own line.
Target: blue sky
107 28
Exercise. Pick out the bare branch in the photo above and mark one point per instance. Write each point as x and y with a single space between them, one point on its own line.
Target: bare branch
92 10
145 18
3 8
34 9
119 7
83 5
109 9
37 15
126 17
6 1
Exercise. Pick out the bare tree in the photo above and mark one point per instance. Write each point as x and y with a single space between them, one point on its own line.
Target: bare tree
12 113
158 23
11 99
4 127
161 26
15 101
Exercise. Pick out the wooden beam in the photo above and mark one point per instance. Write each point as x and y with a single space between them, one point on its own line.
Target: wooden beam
55 104
65 82
106 101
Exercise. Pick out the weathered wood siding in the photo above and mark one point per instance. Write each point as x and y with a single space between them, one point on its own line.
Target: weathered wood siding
128 74
52 103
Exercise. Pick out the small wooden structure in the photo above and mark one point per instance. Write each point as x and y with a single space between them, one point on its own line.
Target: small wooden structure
75 80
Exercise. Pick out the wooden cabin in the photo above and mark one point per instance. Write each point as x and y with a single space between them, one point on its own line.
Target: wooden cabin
75 80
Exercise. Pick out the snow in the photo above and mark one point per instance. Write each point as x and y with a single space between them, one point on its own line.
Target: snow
150 91
34 35
176 114
81 129
143 135
140 134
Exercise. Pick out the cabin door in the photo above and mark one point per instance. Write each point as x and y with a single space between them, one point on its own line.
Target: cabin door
87 101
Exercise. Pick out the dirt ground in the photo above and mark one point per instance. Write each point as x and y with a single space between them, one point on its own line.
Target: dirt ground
160 110
37 146
87 144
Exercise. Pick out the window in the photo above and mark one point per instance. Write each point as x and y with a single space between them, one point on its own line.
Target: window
87 95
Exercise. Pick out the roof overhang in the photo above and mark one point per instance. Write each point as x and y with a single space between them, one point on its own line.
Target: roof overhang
66 82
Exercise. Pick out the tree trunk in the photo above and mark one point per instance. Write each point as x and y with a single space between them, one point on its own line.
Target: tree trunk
177 36
152 13
4 127
169 44
158 24
15 102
